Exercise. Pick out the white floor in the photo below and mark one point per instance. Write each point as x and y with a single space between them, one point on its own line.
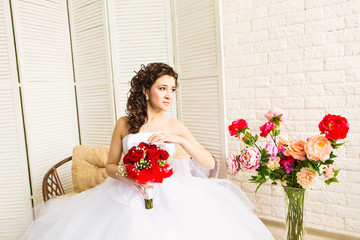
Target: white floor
277 230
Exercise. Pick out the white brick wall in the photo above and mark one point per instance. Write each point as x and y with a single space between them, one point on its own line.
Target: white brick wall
304 57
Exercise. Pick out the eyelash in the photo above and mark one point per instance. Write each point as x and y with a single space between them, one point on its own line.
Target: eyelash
173 90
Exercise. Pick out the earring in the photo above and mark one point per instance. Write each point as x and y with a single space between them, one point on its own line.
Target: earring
147 98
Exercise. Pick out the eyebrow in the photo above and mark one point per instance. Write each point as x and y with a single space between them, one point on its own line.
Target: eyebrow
164 85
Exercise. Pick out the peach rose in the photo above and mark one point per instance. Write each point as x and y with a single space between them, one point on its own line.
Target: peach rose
283 139
296 149
318 148
328 172
307 177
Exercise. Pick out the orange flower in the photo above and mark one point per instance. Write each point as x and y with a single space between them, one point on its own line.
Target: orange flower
318 148
307 177
283 139
296 149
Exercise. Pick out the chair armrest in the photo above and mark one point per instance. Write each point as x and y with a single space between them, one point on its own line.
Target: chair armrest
51 185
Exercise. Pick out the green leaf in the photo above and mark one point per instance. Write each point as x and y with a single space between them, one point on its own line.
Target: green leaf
328 162
310 166
334 179
267 155
337 145
336 172
263 152
258 187
332 155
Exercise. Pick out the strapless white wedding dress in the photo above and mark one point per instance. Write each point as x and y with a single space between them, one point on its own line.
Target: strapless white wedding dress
185 208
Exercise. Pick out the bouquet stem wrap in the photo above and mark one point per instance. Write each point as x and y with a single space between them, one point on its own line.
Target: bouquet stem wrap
149 192
294 202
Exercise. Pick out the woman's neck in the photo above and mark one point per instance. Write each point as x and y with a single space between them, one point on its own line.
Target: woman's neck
153 115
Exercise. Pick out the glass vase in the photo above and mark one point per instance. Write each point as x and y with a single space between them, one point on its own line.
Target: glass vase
294 210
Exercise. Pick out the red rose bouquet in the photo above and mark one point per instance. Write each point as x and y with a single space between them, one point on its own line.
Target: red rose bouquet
146 163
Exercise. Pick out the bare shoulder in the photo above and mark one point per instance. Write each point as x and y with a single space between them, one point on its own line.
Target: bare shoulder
122 126
178 127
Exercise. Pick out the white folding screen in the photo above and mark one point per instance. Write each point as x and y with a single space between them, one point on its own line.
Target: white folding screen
198 58
43 50
92 67
141 33
15 203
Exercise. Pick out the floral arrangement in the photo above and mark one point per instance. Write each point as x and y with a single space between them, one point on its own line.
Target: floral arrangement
146 164
290 162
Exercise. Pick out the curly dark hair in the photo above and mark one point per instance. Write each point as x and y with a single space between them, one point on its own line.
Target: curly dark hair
144 79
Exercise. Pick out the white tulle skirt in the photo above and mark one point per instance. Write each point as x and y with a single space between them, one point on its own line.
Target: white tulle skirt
185 207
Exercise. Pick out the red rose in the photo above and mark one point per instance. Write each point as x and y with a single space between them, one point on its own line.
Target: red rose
152 154
144 145
266 128
334 127
237 126
135 156
287 159
163 154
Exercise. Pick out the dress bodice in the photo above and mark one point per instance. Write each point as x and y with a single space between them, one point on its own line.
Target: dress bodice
134 139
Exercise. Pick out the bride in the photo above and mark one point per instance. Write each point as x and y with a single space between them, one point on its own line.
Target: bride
185 207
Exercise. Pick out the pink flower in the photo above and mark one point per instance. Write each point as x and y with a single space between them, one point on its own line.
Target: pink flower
307 177
271 149
287 167
328 172
232 164
250 158
266 128
275 112
283 139
296 149
281 149
236 126
318 148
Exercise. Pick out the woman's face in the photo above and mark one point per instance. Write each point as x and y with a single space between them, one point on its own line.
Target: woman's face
162 93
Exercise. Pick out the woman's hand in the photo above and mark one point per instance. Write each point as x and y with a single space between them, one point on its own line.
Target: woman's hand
165 138
140 186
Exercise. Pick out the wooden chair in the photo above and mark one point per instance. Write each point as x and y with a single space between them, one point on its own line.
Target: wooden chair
51 185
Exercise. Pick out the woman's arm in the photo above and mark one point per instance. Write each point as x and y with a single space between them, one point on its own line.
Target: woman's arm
188 143
115 153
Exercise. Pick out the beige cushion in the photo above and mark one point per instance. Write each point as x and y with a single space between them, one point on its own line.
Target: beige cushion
88 168
180 153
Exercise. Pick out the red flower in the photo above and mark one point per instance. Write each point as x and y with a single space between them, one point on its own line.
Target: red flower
287 159
152 155
148 170
266 128
237 126
133 156
163 154
144 145
334 127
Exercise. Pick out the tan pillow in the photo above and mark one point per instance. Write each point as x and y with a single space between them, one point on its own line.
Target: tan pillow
180 153
88 166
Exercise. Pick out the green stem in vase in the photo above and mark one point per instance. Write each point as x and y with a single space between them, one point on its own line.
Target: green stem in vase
294 200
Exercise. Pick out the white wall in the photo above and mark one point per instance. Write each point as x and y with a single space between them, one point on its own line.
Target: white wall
302 56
